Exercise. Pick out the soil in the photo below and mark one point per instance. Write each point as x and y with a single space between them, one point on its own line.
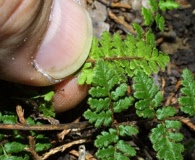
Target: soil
178 40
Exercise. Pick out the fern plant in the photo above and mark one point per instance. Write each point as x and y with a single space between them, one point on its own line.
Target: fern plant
120 74
111 63
17 146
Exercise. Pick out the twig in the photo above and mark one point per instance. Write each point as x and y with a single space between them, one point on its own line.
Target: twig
115 4
20 113
62 134
63 148
32 148
188 123
46 127
121 22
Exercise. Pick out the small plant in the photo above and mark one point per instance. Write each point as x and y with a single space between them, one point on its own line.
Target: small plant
20 145
24 143
111 63
120 72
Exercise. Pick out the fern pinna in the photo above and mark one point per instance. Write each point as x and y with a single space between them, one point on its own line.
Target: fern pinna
125 56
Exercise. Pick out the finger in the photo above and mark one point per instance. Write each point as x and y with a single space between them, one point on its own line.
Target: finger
42 41
68 94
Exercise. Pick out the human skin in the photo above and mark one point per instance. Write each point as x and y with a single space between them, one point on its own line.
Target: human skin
43 43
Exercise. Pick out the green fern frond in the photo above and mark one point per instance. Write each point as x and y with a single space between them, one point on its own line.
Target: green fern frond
86 75
106 138
187 101
107 94
148 16
110 146
160 21
138 30
168 4
165 139
14 147
99 119
154 5
8 119
165 112
148 95
152 13
124 56
127 130
111 62
150 39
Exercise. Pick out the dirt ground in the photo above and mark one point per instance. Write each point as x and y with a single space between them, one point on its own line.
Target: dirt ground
178 41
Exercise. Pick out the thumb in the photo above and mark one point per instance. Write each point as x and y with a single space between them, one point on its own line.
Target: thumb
42 42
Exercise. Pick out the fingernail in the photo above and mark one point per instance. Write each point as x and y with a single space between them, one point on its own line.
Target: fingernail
67 42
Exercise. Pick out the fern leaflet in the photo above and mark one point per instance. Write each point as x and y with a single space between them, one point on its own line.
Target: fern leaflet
165 139
111 147
149 98
188 98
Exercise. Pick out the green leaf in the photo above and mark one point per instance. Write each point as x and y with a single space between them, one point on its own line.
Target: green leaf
106 44
99 104
154 5
165 112
126 149
126 130
47 109
165 140
86 75
117 44
42 146
177 137
118 155
48 96
1 117
102 118
187 100
119 92
148 16
30 121
104 76
7 157
138 30
106 153
94 54
160 58
123 104
171 151
160 21
168 4
42 143
99 92
106 138
172 124
147 94
14 147
150 39
156 134
9 119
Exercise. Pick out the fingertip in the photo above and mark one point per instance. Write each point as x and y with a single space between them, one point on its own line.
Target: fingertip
68 40
68 94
